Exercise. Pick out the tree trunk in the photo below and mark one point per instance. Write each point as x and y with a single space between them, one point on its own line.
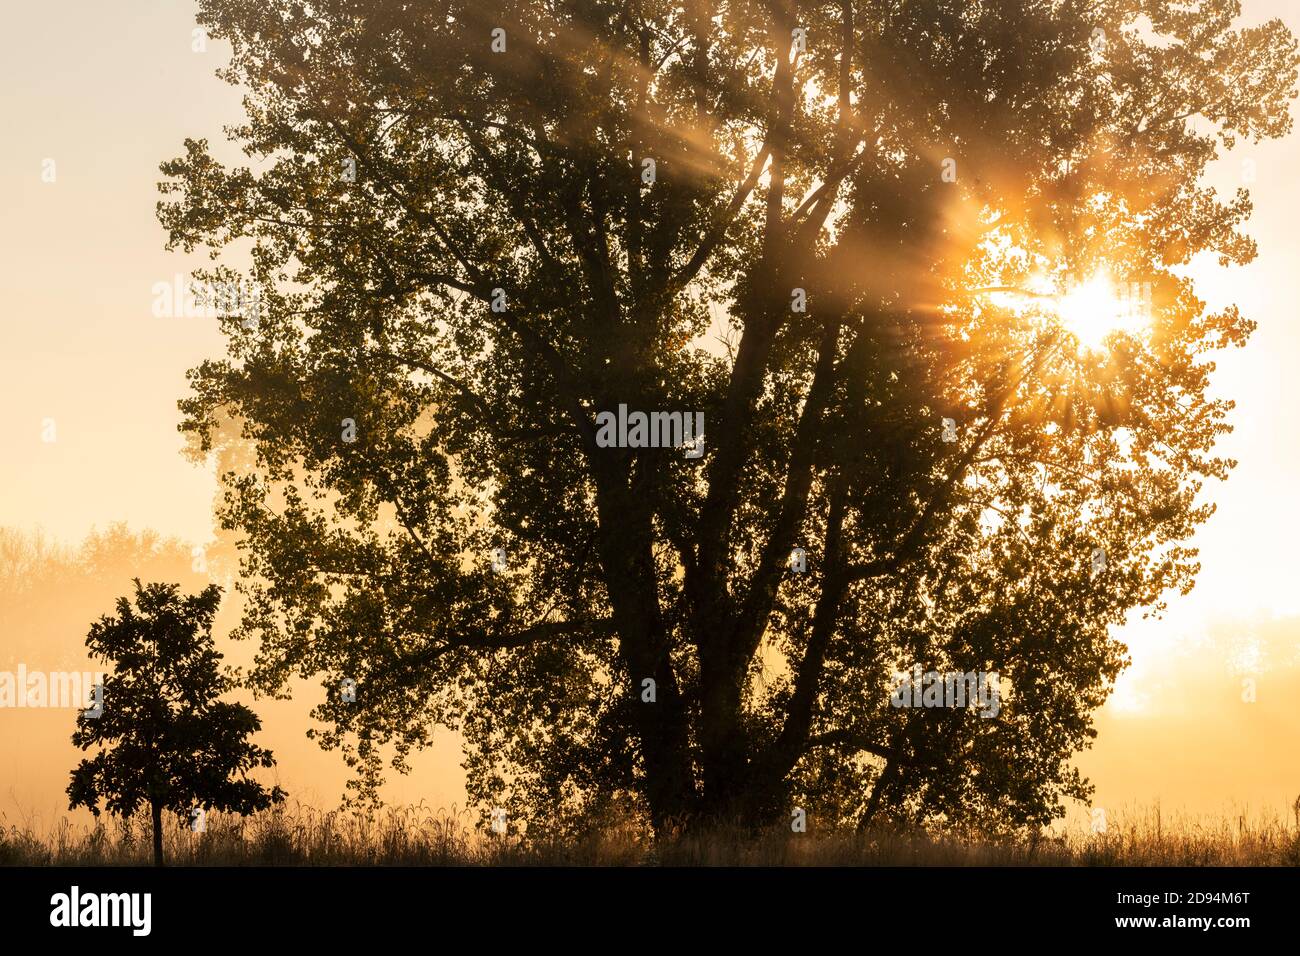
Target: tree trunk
883 783
157 809
724 748
626 553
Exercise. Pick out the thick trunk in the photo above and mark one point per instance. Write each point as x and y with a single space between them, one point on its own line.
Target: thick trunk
661 725
723 743
156 810
661 728
726 640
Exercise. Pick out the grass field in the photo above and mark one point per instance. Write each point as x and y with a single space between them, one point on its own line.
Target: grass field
416 836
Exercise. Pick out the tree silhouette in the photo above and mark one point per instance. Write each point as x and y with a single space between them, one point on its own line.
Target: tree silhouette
844 232
170 742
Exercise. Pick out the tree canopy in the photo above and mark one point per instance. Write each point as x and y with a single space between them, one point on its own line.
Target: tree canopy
842 231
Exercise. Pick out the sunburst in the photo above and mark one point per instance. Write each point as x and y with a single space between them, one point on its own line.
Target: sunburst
1094 309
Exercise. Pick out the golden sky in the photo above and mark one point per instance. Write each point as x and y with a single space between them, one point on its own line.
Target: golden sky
108 90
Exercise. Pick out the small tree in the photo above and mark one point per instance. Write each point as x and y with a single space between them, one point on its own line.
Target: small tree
168 739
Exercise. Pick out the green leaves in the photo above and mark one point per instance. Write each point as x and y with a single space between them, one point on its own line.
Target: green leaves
910 155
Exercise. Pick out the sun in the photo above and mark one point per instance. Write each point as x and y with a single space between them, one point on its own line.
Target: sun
1092 310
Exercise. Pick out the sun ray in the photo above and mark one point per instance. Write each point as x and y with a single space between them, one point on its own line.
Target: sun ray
1093 309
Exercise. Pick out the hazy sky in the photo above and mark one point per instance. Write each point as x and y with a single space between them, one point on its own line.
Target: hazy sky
108 90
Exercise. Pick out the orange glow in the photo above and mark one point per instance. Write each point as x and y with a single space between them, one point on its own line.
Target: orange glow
1092 310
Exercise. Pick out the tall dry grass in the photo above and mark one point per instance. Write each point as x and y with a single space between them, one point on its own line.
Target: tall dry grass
418 836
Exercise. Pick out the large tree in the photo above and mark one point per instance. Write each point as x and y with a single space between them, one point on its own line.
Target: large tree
849 253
